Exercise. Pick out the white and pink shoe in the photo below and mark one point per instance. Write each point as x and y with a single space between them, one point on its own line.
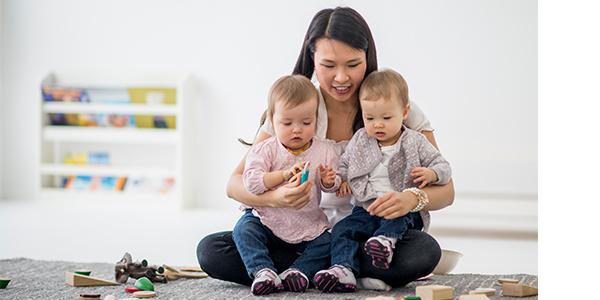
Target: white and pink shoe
337 279
381 250
266 282
294 281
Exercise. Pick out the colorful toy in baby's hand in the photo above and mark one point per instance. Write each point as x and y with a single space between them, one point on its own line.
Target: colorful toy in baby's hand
304 176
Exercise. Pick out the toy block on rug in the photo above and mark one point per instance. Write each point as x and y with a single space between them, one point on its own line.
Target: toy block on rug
174 273
507 280
83 280
518 290
144 294
483 291
473 297
435 292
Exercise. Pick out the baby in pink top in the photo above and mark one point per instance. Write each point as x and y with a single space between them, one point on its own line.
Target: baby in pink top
293 103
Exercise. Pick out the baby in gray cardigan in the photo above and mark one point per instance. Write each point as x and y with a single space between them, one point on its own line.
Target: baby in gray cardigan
382 157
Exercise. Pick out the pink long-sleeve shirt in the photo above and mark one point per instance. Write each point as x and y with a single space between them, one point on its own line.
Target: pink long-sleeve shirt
291 225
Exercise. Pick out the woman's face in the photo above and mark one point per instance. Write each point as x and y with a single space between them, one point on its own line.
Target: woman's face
340 69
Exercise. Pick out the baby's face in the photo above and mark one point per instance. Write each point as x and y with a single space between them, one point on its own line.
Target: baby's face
383 119
295 127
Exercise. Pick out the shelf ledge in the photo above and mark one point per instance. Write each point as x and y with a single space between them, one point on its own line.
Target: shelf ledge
110 135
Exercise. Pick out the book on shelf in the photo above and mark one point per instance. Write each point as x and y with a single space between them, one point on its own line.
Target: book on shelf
94 183
92 120
88 95
140 184
109 95
153 96
64 94
91 157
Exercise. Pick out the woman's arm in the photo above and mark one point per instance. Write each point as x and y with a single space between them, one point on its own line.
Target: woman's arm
290 195
439 196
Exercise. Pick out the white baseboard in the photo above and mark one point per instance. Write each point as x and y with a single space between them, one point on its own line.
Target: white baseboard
493 215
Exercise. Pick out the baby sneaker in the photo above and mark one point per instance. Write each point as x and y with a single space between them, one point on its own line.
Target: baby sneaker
294 281
266 282
381 250
337 279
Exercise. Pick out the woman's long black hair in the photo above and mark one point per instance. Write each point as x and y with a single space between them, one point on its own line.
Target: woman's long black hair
342 24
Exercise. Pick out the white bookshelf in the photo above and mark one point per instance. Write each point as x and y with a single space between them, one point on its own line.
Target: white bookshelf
154 154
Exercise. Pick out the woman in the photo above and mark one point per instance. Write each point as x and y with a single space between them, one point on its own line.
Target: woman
339 49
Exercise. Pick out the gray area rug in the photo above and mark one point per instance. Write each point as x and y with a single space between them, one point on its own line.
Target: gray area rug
36 279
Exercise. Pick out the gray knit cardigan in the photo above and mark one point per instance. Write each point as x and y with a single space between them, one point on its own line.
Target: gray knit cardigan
363 154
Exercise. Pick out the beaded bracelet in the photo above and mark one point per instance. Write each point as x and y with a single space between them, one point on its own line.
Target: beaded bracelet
421 196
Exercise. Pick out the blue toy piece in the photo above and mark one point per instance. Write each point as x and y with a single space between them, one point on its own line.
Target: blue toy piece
304 176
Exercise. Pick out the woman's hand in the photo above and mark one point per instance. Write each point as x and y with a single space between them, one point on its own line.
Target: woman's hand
392 205
293 194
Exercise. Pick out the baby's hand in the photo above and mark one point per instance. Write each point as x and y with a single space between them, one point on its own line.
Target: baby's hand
295 169
423 175
327 176
344 190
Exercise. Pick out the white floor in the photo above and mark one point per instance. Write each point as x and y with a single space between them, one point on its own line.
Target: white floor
93 232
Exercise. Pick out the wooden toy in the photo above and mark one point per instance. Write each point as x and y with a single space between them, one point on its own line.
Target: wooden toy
483 291
435 292
89 297
507 280
518 290
126 268
174 273
410 298
4 282
111 297
473 297
191 269
144 294
82 280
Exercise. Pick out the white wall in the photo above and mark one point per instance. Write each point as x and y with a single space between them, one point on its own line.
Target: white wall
471 66
1 96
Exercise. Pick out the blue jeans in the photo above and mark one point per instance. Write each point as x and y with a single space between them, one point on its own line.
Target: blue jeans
350 232
253 240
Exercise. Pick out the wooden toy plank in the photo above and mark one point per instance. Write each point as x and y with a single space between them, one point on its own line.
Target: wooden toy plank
483 291
473 297
507 280
191 269
518 290
82 280
435 292
172 269
175 273
144 294
192 275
